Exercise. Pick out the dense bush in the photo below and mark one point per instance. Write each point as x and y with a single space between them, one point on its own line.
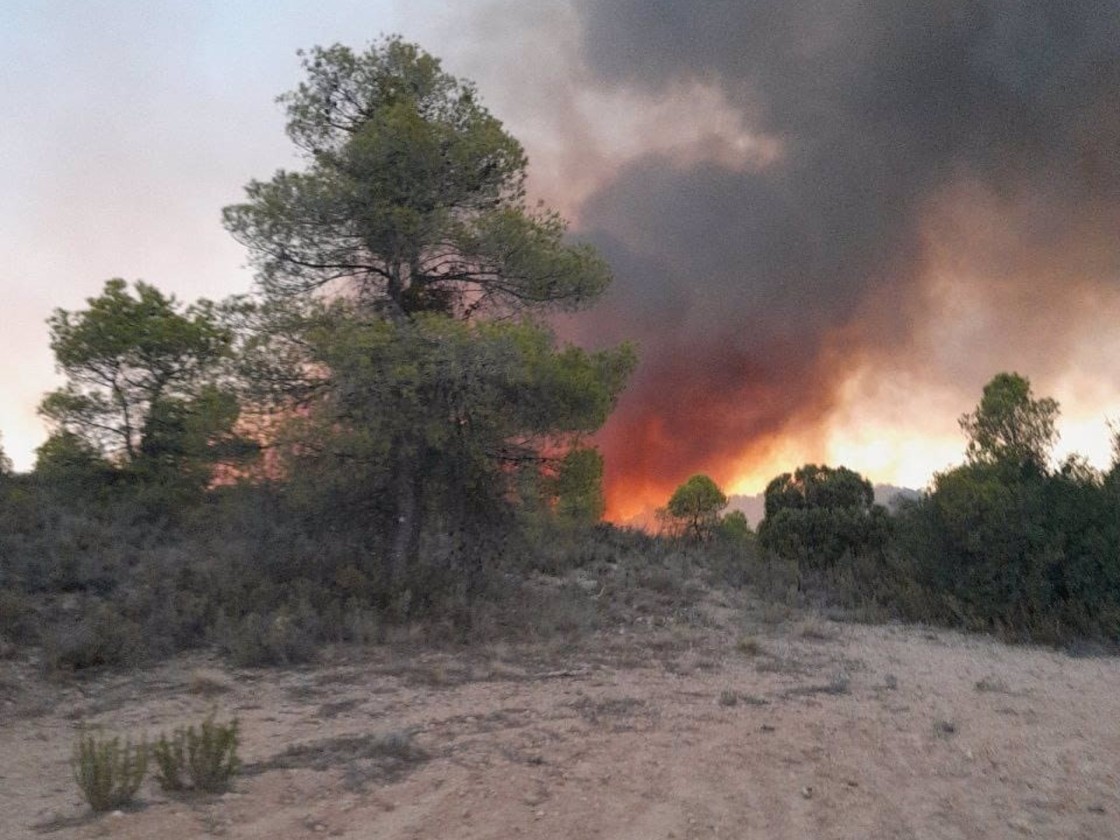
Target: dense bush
246 572
1002 543
268 572
819 515
1027 553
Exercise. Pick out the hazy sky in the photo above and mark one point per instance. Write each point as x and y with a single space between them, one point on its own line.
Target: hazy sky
831 223
127 126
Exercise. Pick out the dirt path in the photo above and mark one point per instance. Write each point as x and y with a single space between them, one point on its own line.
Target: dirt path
806 730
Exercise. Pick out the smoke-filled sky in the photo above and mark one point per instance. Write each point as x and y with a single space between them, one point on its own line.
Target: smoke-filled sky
830 222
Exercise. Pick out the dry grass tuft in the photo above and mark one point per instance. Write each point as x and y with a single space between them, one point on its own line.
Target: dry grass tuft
817 629
749 646
209 682
774 612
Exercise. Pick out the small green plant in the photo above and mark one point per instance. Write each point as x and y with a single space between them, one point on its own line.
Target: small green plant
107 773
206 756
749 646
171 761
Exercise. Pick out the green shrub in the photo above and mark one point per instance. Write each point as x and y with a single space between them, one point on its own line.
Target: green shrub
270 639
101 637
17 616
206 756
171 761
107 773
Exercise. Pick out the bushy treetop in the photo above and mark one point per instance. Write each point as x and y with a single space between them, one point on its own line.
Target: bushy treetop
413 196
1010 426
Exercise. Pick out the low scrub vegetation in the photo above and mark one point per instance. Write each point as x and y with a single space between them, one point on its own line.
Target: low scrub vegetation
385 435
108 773
1006 543
202 758
1017 548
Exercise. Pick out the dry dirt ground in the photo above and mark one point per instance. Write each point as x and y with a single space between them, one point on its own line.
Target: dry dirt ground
728 727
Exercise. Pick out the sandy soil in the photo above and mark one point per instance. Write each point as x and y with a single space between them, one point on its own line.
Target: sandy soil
805 729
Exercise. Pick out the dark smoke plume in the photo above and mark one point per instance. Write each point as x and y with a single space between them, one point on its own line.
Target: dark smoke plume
977 141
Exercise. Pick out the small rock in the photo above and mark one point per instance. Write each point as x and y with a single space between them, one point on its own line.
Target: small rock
539 815
807 792
117 814
1096 809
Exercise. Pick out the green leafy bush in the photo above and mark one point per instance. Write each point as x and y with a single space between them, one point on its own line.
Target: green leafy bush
108 774
204 759
102 636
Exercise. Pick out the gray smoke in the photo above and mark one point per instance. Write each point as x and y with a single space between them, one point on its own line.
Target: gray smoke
751 290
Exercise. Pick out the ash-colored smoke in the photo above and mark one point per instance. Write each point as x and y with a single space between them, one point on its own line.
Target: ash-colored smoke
928 154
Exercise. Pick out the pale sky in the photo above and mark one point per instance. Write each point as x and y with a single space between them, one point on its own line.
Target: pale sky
127 126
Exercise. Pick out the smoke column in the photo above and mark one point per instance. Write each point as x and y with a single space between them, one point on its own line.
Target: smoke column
929 159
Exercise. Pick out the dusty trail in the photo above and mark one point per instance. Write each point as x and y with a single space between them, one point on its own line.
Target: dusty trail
828 731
